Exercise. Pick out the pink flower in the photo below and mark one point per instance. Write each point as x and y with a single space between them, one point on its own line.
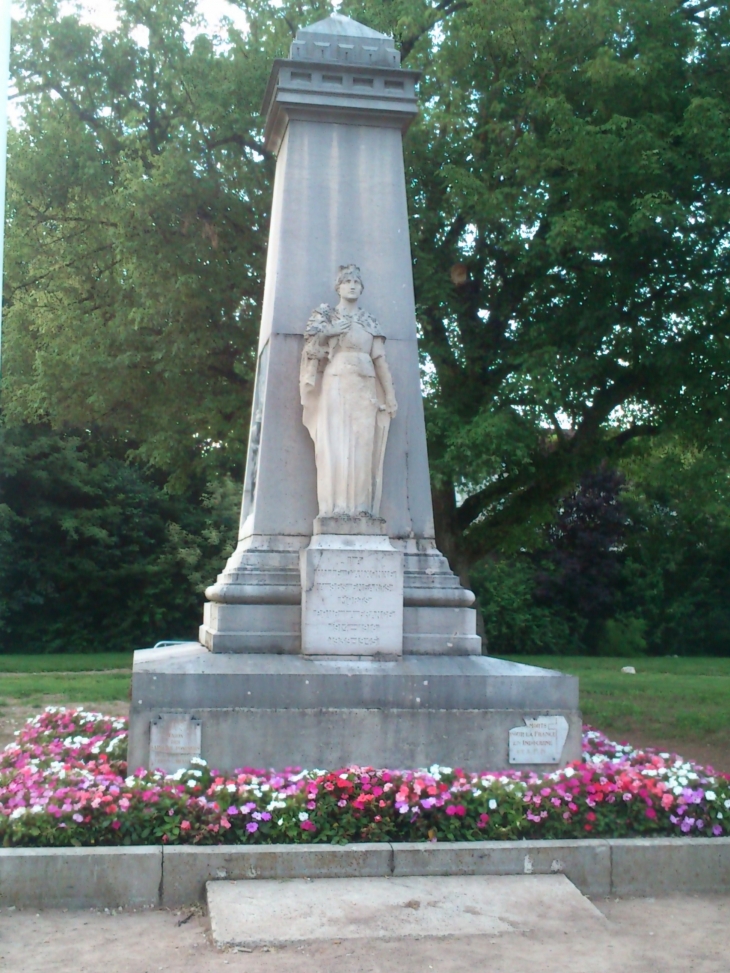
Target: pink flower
308 826
185 826
251 827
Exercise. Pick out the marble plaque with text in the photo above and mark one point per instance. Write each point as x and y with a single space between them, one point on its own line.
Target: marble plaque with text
174 740
539 741
352 599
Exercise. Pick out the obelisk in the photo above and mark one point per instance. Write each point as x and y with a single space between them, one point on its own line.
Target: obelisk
337 633
335 111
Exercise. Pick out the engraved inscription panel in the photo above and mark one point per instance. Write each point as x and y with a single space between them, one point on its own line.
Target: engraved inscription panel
174 741
539 741
352 602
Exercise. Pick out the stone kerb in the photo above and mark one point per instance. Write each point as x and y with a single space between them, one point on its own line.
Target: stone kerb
76 878
80 878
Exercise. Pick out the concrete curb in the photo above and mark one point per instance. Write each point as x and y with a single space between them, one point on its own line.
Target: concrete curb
187 869
77 878
159 876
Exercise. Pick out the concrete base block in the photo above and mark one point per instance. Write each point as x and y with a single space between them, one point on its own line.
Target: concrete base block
282 711
279 913
586 863
80 878
660 866
187 869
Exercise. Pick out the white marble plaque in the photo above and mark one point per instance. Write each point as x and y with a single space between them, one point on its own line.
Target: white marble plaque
352 597
539 741
174 741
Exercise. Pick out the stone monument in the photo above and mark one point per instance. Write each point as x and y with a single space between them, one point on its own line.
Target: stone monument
337 632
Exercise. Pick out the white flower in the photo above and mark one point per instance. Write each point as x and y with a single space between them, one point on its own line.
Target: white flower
17 813
711 795
231 788
727 804
719 815
280 821
568 772
492 804
303 816
199 760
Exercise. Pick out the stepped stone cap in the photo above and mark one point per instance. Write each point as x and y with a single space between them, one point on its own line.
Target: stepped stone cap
344 40
338 23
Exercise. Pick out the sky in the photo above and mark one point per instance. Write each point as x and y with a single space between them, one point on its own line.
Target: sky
101 13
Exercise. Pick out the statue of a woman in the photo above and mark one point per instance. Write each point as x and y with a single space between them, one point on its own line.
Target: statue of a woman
348 399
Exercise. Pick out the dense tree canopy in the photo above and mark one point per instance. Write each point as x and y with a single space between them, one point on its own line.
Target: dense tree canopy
569 182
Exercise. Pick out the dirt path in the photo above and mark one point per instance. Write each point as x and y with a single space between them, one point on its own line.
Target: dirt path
681 934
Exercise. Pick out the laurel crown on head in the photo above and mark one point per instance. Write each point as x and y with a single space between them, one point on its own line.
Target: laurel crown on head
348 272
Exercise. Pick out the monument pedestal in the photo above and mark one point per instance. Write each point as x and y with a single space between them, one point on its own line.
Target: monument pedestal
336 640
282 710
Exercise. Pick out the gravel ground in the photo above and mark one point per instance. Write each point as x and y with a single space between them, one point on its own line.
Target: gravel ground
678 934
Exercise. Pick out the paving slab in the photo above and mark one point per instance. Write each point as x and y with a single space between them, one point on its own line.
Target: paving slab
270 913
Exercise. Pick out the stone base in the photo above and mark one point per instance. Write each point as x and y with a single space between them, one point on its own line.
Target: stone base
256 604
282 711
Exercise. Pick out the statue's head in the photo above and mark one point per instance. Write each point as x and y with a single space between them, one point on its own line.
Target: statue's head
348 273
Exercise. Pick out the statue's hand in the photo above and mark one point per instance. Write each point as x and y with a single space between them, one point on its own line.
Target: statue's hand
391 407
335 328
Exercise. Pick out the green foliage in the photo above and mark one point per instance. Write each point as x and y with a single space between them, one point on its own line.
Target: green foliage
96 555
569 187
514 621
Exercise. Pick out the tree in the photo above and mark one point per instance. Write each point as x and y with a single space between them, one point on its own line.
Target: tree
138 203
570 226
585 541
568 184
95 553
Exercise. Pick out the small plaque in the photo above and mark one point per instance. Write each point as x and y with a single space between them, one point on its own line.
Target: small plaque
352 597
174 741
539 741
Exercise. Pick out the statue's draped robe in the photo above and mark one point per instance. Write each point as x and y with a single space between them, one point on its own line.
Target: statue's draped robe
343 410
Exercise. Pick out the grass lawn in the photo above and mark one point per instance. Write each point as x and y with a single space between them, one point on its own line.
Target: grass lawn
36 680
78 662
668 702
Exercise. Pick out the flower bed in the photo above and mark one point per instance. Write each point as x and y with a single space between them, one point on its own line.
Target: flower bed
65 782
